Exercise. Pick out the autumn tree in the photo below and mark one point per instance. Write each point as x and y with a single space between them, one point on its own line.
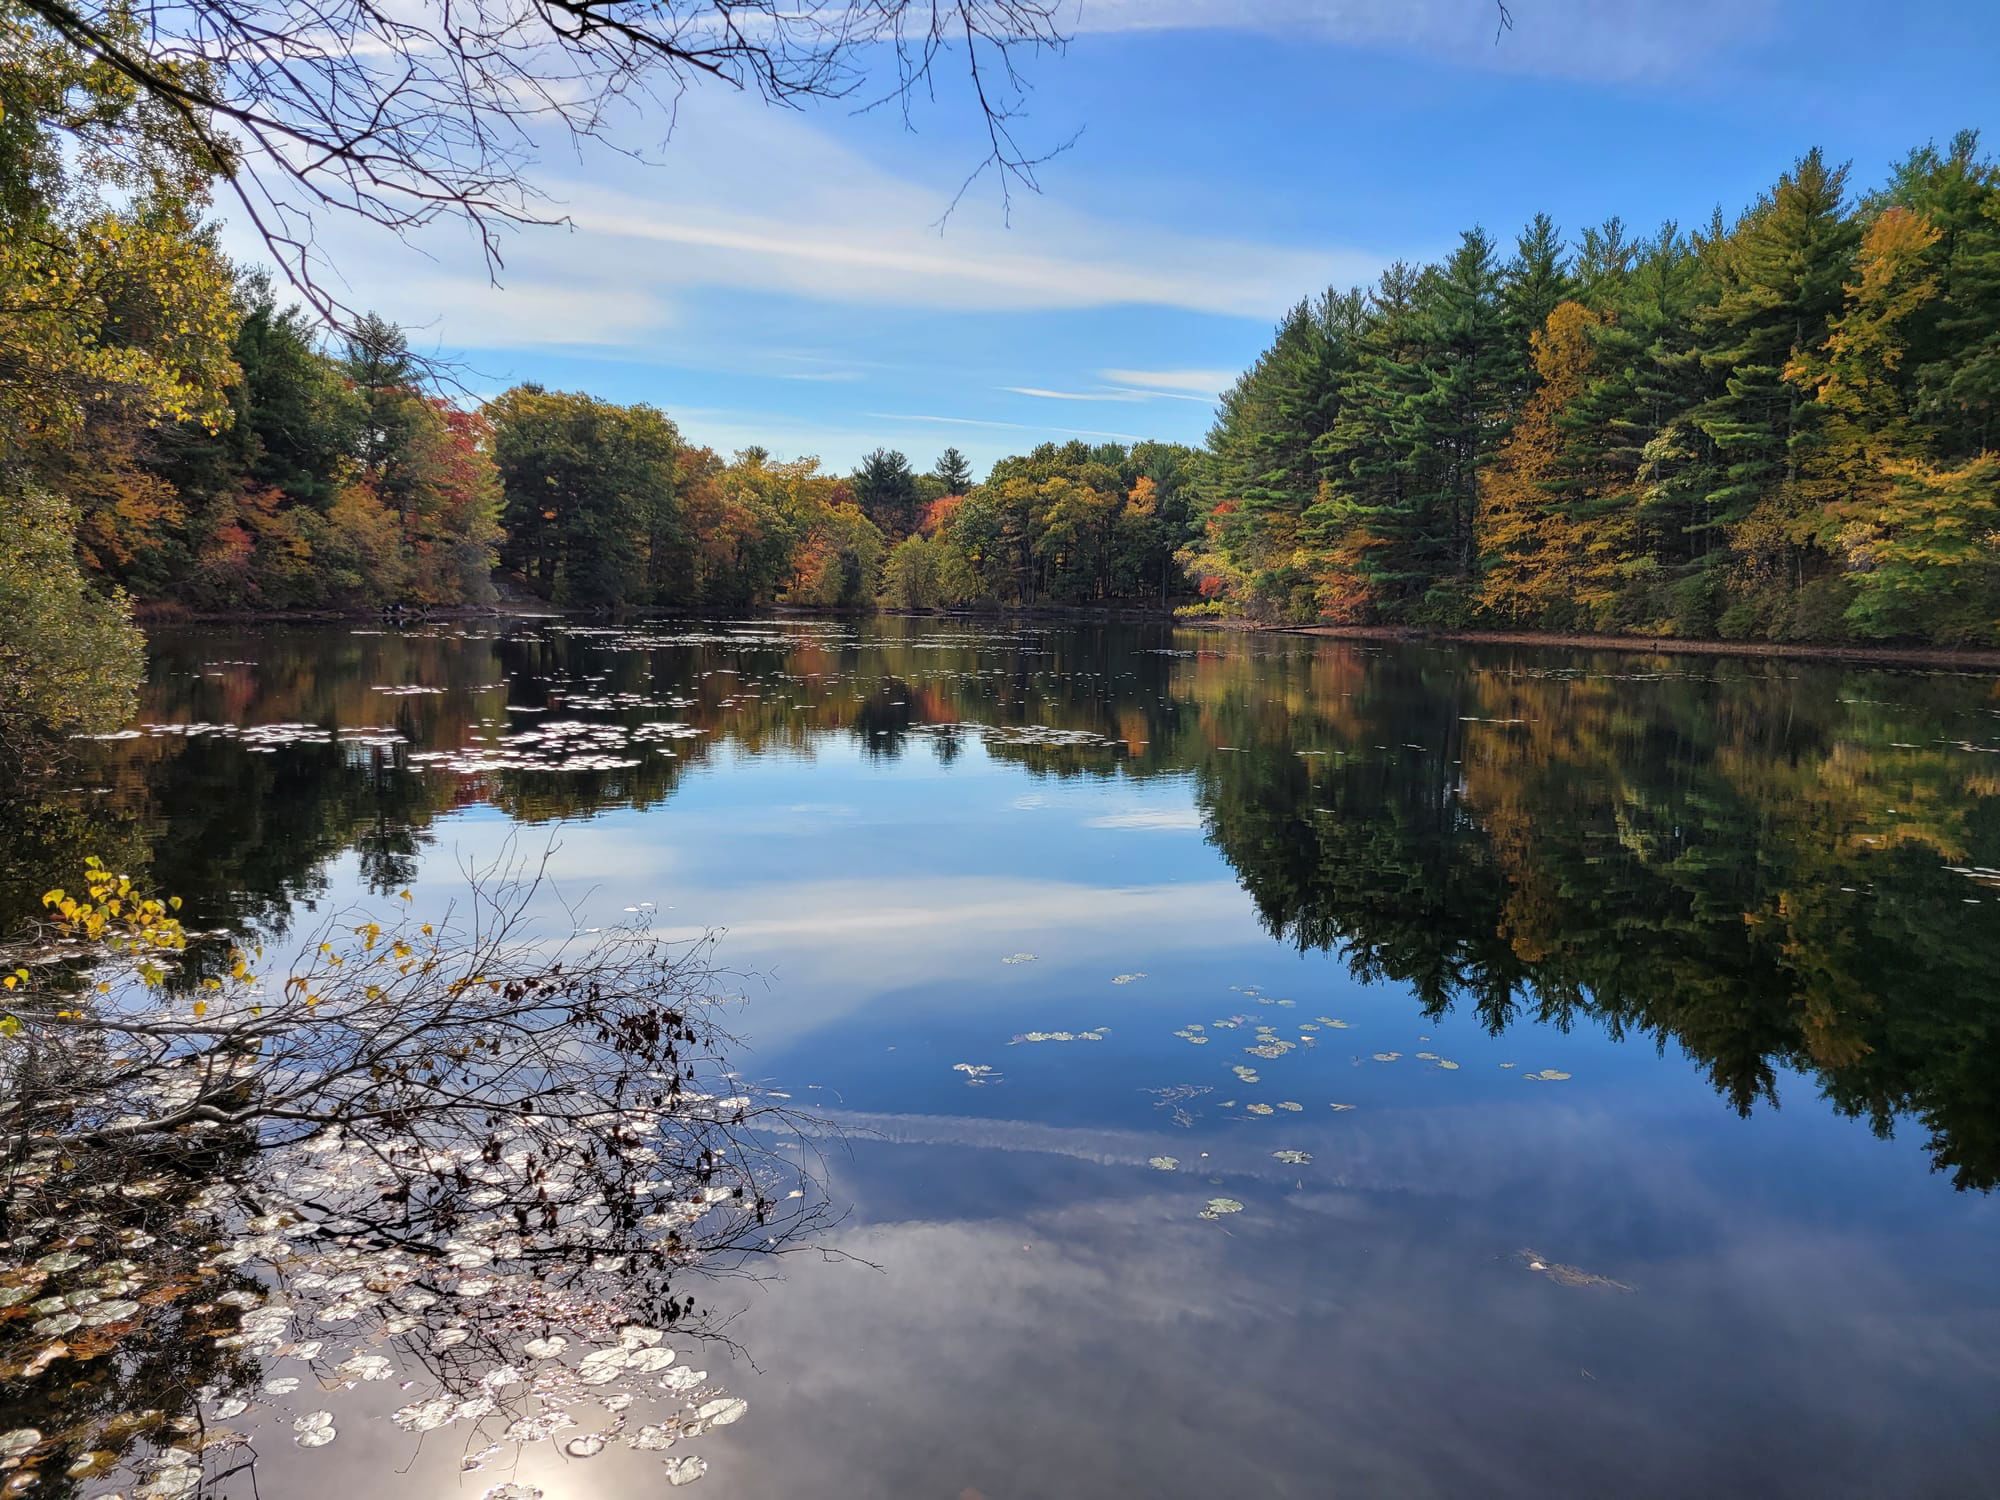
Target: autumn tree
1545 559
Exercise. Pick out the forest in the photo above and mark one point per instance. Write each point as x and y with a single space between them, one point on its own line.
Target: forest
1778 427
1773 428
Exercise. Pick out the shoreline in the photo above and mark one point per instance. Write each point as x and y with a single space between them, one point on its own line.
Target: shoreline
1980 659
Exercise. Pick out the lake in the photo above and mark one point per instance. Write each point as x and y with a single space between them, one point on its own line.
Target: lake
1250 1064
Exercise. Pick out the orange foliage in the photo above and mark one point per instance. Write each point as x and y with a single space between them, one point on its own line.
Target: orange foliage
937 515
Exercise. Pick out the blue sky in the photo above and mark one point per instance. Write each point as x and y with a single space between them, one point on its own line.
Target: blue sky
779 277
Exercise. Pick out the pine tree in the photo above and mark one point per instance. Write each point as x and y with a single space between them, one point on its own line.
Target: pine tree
953 472
1534 282
1268 446
1782 272
1366 522
1954 362
1607 259
886 490
1459 414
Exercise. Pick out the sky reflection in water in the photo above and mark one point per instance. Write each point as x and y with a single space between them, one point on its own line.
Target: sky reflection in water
1702 889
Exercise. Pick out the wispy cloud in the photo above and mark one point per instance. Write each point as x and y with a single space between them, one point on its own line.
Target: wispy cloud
1035 390
821 375
1125 393
1167 396
905 416
1205 384
1597 40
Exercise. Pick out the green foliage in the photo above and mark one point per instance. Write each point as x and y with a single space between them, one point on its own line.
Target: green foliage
953 471
591 513
70 659
910 574
885 488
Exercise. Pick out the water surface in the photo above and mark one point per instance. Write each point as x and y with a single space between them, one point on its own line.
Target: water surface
1264 1066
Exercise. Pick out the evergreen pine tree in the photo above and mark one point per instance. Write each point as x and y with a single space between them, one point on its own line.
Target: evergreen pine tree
953 472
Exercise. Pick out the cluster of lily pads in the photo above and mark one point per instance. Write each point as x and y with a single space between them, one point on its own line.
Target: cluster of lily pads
262 737
563 745
1017 734
489 1342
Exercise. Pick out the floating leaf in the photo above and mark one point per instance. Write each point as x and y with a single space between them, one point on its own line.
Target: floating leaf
364 1367
1217 1207
722 1411
686 1470
1163 1163
1292 1158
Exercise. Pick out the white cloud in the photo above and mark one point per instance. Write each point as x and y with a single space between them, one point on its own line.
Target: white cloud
1589 39
822 223
1203 383
1047 395
1128 394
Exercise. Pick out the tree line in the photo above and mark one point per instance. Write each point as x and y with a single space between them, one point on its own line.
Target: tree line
1778 427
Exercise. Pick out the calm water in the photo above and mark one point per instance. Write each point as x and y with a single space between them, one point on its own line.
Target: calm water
1625 1098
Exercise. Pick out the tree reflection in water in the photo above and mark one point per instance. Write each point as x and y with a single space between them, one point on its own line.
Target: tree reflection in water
441 1154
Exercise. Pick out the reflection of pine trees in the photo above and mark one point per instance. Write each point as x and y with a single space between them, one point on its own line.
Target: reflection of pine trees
1631 853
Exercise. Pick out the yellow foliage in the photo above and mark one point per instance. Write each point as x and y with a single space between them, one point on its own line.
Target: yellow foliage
1545 559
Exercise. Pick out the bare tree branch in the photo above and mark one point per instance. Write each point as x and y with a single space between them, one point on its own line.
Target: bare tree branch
402 114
